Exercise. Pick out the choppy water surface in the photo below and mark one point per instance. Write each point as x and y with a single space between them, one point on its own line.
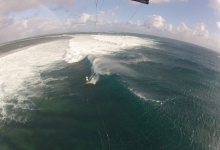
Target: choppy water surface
146 93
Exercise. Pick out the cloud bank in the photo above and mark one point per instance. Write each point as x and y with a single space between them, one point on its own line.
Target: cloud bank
13 29
153 25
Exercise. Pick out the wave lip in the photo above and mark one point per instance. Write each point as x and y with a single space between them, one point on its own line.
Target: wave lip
99 47
142 96
72 57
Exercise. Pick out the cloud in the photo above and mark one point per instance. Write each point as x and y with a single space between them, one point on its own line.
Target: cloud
30 27
154 21
200 30
169 27
9 6
218 24
5 22
11 29
85 18
183 28
214 4
198 34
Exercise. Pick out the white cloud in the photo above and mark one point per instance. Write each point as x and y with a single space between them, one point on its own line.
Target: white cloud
89 19
154 21
169 27
30 27
200 30
24 23
200 26
11 29
83 19
214 4
197 34
8 6
182 28
218 24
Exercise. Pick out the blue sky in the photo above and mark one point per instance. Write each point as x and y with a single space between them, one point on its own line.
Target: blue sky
194 21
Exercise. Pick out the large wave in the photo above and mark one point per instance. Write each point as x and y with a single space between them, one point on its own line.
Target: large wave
98 47
20 78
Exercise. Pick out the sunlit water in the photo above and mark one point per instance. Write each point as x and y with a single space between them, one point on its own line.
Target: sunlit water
146 93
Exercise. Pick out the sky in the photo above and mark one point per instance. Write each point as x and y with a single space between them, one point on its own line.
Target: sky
193 21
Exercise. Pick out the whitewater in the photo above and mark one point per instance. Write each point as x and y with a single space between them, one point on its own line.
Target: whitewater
21 80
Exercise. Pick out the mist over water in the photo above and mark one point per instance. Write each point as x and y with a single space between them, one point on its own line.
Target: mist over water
145 93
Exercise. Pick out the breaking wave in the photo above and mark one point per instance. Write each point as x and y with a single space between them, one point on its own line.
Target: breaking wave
21 79
98 47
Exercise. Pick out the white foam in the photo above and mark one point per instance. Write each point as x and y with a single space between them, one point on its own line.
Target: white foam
94 79
20 72
134 59
20 78
99 45
54 79
122 41
74 57
96 47
105 66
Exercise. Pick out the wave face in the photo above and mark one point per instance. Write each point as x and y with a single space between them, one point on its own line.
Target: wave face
99 47
145 93
21 79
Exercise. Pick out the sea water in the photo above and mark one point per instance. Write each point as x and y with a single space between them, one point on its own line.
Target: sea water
146 93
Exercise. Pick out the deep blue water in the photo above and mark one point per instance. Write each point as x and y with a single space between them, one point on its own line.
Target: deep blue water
152 97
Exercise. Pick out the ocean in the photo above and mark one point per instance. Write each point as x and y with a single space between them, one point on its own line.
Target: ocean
145 93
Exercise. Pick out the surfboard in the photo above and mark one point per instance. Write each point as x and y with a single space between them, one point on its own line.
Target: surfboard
88 83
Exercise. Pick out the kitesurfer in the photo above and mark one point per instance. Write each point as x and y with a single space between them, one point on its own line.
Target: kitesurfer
87 79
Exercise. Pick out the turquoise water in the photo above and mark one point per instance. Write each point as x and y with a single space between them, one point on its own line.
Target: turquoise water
144 97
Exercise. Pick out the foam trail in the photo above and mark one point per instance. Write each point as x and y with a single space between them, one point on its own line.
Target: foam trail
142 96
105 66
94 79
